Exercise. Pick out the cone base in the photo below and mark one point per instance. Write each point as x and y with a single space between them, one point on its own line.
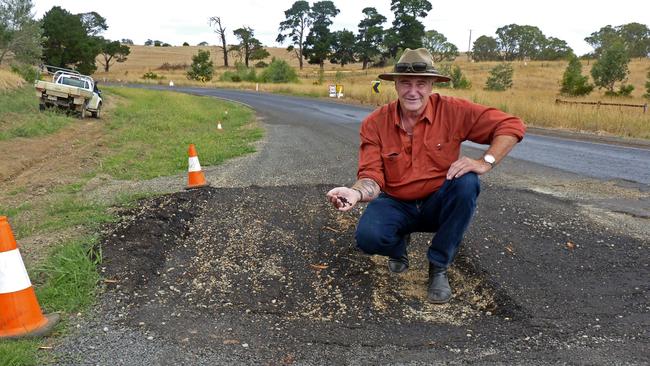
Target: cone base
195 186
50 322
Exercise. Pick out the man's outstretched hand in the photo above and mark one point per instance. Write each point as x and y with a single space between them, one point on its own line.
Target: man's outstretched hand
343 198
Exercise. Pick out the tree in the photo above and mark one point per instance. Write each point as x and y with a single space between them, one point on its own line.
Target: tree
296 26
148 42
202 67
203 44
318 43
555 49
408 30
343 48
636 37
573 82
249 47
94 23
370 36
500 77
612 66
20 34
71 39
220 30
127 41
440 48
602 39
185 44
485 49
113 51
518 42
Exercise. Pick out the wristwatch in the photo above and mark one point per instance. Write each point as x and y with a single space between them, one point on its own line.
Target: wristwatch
489 159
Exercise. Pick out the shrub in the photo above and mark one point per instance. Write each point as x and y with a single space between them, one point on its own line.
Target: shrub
458 80
202 67
623 91
27 72
279 71
500 77
151 75
167 66
611 67
241 74
261 65
573 82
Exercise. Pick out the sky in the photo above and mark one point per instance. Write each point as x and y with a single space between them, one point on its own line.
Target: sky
177 21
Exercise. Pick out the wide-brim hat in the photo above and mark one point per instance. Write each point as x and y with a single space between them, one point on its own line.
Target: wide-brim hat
418 62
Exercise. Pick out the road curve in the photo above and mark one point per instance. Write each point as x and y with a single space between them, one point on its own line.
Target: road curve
590 159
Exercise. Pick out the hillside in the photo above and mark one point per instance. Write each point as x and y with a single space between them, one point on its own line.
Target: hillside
535 88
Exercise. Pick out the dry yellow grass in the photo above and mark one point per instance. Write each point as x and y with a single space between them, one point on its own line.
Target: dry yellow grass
535 87
9 80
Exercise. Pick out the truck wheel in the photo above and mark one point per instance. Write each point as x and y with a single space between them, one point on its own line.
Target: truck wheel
82 112
97 113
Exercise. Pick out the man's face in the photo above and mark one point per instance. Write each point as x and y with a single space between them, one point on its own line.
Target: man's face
413 92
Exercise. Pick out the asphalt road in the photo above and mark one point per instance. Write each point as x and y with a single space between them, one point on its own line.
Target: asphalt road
592 159
553 270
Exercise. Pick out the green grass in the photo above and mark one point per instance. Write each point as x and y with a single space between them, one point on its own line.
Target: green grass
20 116
151 136
70 276
19 353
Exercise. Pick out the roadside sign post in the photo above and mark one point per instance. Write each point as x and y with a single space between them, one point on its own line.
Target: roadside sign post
339 90
332 89
375 84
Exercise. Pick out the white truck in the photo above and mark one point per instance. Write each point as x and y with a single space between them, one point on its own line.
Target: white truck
72 91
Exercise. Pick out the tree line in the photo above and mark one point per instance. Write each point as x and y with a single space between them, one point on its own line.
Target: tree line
59 39
64 39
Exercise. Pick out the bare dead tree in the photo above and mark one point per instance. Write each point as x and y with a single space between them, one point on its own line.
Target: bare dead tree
221 31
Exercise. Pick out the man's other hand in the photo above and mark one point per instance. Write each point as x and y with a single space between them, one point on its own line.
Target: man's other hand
343 198
465 165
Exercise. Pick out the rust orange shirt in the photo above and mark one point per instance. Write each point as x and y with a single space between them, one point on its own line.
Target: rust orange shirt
411 169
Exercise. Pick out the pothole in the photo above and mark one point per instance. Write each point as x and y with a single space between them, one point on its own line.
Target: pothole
278 256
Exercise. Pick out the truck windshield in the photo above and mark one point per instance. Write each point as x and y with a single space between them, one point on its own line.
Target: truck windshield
74 82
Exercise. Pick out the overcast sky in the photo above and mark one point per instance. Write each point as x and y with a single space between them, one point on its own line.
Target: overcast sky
181 21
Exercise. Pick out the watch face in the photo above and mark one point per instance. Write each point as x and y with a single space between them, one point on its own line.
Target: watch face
489 159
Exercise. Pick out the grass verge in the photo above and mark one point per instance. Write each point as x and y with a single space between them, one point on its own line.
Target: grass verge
151 138
21 118
148 136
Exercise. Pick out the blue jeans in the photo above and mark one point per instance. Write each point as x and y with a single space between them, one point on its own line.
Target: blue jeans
447 212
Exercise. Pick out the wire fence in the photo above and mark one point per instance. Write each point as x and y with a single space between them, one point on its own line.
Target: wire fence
599 103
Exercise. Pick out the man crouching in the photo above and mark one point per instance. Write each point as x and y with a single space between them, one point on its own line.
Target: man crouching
411 173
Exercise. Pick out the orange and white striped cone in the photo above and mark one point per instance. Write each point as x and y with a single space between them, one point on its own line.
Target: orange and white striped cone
195 177
20 314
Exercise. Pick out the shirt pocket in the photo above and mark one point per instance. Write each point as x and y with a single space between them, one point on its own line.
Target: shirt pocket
441 154
395 165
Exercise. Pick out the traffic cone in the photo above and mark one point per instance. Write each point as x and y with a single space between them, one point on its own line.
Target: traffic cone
20 314
195 177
